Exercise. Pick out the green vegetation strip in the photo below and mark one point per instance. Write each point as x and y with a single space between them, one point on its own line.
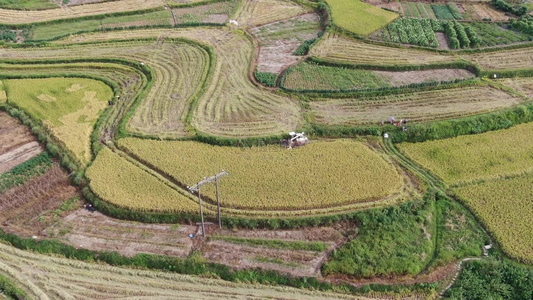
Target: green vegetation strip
274 244
8 289
23 172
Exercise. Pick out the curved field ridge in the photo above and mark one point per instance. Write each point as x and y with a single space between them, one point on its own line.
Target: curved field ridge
231 105
506 207
46 277
8 16
68 106
484 156
415 106
322 174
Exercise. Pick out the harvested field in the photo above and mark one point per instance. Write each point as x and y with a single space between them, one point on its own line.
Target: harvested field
82 280
437 75
416 106
338 48
29 208
503 60
17 144
343 49
231 106
260 12
257 173
522 85
94 231
279 40
26 17
469 158
212 13
482 12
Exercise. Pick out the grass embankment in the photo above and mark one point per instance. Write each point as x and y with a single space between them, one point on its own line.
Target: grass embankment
359 17
274 244
321 174
68 106
28 4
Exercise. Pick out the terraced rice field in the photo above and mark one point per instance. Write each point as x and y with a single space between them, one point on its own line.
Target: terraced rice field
260 12
504 206
68 278
68 106
416 106
231 106
256 174
339 48
314 77
465 159
359 17
26 17
124 184
343 49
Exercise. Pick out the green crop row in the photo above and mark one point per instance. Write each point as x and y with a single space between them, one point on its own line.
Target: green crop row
21 173
274 244
10 290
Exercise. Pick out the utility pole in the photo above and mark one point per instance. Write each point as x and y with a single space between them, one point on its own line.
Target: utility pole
197 186
218 203
201 212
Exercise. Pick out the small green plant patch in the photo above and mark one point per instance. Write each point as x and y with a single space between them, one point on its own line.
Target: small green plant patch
442 12
266 79
23 172
395 240
274 244
28 4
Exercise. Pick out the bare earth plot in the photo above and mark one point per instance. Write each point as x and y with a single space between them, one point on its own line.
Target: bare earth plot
417 106
44 276
29 208
481 12
94 231
279 40
409 77
17 144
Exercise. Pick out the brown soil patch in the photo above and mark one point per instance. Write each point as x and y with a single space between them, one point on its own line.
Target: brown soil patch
443 42
392 5
27 209
17 144
279 40
409 77
19 155
94 231
479 12
13 134
216 18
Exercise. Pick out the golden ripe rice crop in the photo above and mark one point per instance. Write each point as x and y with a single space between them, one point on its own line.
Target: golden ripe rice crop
321 174
69 106
359 17
506 208
120 182
469 158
